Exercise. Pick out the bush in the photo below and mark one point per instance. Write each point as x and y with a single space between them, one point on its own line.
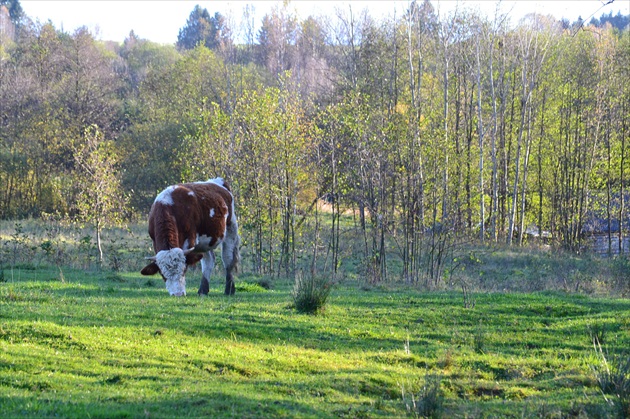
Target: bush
310 293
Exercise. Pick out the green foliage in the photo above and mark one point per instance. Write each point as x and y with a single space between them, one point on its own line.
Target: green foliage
402 144
100 201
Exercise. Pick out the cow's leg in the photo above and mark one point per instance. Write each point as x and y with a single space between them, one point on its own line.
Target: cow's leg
207 266
230 255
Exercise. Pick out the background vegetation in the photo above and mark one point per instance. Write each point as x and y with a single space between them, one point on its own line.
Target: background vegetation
372 160
429 130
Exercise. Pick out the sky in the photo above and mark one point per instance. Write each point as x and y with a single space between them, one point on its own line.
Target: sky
160 21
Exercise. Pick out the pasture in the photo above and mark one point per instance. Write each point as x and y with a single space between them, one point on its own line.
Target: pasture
507 333
103 344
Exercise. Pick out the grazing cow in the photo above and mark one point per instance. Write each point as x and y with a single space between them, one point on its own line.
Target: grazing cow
186 223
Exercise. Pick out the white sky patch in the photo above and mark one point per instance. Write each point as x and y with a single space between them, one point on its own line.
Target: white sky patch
161 21
211 212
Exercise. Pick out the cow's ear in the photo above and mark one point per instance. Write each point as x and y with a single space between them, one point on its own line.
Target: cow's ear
150 269
193 258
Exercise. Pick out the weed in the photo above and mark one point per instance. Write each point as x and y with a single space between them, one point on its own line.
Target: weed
115 277
596 332
479 338
448 360
265 283
613 378
621 273
249 287
429 402
310 293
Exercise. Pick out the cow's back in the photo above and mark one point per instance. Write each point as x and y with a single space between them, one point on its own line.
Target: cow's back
184 211
215 206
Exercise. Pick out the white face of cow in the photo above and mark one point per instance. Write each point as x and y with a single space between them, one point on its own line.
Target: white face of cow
172 264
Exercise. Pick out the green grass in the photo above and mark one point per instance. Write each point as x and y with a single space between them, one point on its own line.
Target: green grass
76 344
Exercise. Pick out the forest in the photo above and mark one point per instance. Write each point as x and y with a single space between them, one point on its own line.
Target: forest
421 131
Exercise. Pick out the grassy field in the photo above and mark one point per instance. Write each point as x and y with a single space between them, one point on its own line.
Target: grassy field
77 344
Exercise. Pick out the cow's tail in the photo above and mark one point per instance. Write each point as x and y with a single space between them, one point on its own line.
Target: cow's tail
237 254
231 246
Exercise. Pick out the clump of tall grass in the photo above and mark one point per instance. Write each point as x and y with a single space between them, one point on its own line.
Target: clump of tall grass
310 293
479 338
429 402
597 332
613 378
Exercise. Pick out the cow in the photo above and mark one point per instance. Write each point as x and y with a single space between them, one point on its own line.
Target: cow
186 223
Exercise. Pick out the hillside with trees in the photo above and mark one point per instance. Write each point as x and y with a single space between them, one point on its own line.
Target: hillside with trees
426 129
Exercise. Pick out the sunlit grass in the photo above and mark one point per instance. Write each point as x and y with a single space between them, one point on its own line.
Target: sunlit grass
111 345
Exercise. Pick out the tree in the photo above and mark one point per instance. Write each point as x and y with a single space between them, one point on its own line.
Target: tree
212 31
532 48
15 10
100 200
277 39
139 57
7 31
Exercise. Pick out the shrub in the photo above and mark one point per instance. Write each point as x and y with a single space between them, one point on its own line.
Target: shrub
310 293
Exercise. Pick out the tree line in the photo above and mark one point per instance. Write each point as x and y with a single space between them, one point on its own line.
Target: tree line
424 128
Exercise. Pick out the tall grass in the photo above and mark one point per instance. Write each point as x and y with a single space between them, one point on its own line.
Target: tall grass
311 292
429 402
58 242
613 377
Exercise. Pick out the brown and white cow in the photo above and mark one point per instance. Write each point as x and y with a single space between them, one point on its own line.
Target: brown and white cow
186 223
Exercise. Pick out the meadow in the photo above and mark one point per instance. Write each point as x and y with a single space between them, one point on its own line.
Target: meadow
86 342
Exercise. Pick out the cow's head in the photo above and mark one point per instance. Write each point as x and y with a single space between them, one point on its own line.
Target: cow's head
172 265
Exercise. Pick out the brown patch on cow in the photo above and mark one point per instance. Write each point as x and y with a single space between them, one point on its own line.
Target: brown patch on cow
150 269
193 258
171 225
